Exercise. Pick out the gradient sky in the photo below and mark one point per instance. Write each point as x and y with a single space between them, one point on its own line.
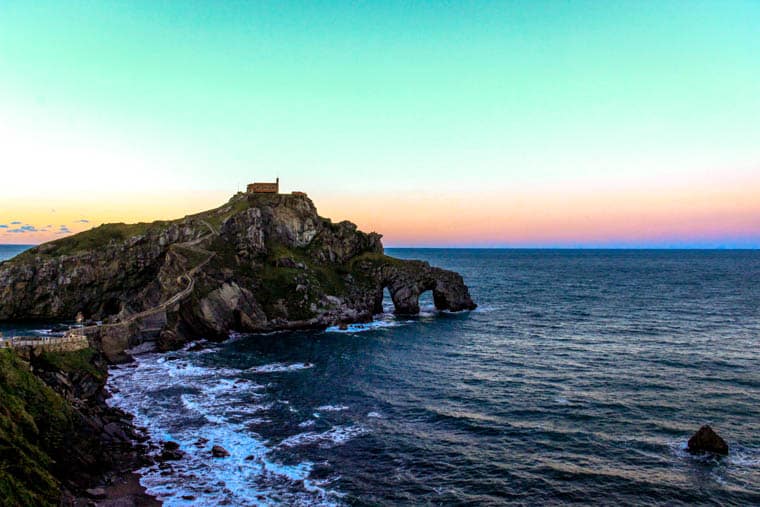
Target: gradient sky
561 123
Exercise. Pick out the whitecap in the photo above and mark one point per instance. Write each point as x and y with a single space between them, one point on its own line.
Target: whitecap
361 327
745 457
375 415
335 436
162 394
280 367
332 408
197 343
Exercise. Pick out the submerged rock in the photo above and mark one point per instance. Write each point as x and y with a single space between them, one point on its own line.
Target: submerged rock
706 440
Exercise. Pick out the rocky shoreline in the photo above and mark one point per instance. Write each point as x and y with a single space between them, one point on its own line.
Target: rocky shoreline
71 448
259 263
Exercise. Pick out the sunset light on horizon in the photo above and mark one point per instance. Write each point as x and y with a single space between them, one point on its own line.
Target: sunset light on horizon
515 124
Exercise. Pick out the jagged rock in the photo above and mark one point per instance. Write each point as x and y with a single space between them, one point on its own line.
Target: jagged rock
262 262
170 452
706 440
171 445
115 432
82 441
219 452
167 455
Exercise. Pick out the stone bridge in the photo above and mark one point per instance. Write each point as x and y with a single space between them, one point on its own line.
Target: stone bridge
26 346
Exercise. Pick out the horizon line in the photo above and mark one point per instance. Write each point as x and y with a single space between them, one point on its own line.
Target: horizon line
554 247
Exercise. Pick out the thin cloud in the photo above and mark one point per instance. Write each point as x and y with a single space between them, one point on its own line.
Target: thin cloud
3 226
24 229
82 221
63 230
16 222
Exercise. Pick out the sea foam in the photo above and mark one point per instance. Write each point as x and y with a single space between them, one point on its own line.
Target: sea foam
183 402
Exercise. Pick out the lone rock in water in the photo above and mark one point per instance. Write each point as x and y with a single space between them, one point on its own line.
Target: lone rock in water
219 452
706 440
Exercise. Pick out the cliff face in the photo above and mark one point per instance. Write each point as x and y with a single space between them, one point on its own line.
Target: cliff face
57 435
261 262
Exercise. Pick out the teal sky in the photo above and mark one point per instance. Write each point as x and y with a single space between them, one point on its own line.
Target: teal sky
371 104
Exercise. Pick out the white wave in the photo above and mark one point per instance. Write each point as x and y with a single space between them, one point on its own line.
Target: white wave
190 345
179 401
375 415
307 424
428 311
360 327
680 448
280 367
335 436
332 408
746 457
233 337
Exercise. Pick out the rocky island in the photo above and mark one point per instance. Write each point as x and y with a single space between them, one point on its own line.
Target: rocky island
261 262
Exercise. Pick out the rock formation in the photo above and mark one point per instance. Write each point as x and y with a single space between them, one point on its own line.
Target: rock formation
261 262
59 438
706 440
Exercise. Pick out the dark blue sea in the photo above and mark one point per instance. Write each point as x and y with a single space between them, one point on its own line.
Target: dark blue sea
8 251
578 380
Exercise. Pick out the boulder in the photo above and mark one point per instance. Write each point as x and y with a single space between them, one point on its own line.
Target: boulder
219 452
96 493
706 440
171 452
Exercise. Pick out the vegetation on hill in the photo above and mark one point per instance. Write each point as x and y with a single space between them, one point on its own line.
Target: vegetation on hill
94 238
33 422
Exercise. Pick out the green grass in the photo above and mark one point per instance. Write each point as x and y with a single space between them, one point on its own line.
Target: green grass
217 216
194 257
33 422
94 238
70 362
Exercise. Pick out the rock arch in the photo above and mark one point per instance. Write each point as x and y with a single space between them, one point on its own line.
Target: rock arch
407 281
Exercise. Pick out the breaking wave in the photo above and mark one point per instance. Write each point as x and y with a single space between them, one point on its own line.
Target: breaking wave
177 398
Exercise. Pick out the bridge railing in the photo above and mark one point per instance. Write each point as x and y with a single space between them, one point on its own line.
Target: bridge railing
37 341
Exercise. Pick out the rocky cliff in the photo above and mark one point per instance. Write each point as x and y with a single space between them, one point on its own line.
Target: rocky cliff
58 438
261 262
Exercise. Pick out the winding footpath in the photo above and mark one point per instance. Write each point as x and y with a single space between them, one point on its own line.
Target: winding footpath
77 338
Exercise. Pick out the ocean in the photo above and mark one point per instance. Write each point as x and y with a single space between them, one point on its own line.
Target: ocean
578 379
8 251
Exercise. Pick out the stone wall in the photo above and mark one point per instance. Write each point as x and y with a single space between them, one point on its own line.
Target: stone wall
28 347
